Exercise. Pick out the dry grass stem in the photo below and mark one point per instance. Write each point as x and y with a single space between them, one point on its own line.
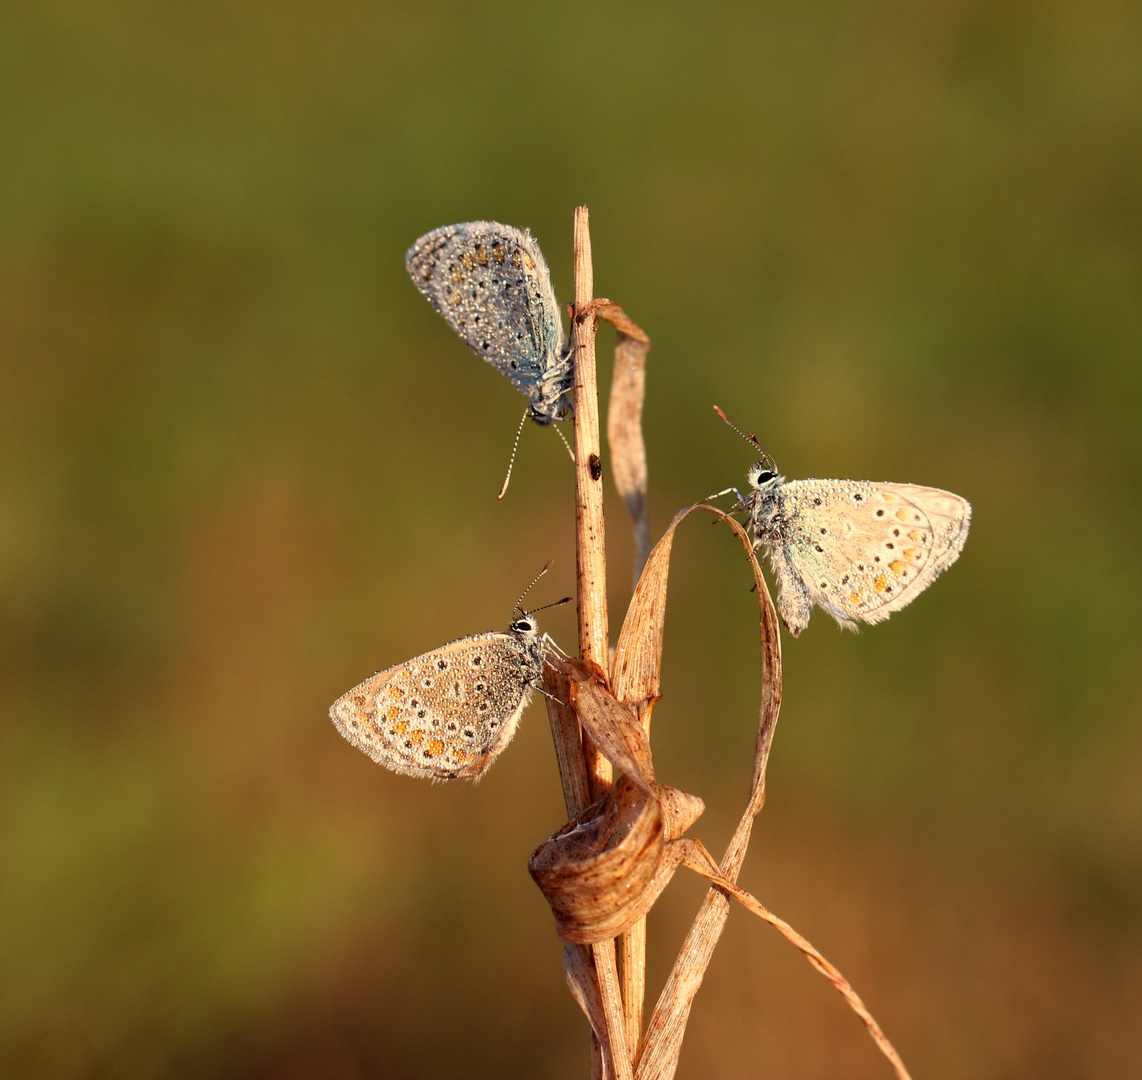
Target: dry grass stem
594 645
590 548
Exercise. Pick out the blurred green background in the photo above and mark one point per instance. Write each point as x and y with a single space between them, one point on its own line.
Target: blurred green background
245 465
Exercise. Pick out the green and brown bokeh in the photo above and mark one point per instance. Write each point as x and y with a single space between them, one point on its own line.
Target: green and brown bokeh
243 465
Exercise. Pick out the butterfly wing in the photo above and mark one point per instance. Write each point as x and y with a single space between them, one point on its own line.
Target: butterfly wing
492 286
864 550
447 714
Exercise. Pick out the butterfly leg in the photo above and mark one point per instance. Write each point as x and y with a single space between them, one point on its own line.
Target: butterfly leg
550 641
726 491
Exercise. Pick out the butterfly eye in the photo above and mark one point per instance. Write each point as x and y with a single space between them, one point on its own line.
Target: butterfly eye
523 625
759 474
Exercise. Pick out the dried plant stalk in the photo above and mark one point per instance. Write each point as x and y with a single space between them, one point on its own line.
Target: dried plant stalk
634 979
590 547
605 868
590 533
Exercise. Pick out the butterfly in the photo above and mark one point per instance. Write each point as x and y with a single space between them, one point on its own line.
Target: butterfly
491 285
858 549
449 713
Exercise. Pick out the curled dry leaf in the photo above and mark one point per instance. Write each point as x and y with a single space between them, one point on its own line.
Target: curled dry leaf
566 736
603 870
636 673
597 870
583 982
624 422
610 724
679 811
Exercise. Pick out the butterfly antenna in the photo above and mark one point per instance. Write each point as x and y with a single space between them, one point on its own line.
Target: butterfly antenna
570 452
554 603
511 461
751 438
517 607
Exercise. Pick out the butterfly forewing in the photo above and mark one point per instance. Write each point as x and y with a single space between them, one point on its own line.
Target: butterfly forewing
446 714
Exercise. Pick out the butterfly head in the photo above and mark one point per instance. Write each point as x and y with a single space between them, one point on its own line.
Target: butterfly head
551 396
547 409
763 500
763 476
524 626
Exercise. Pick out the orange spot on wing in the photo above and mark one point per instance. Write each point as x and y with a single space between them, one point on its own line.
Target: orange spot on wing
903 514
898 567
401 726
417 738
435 748
881 583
